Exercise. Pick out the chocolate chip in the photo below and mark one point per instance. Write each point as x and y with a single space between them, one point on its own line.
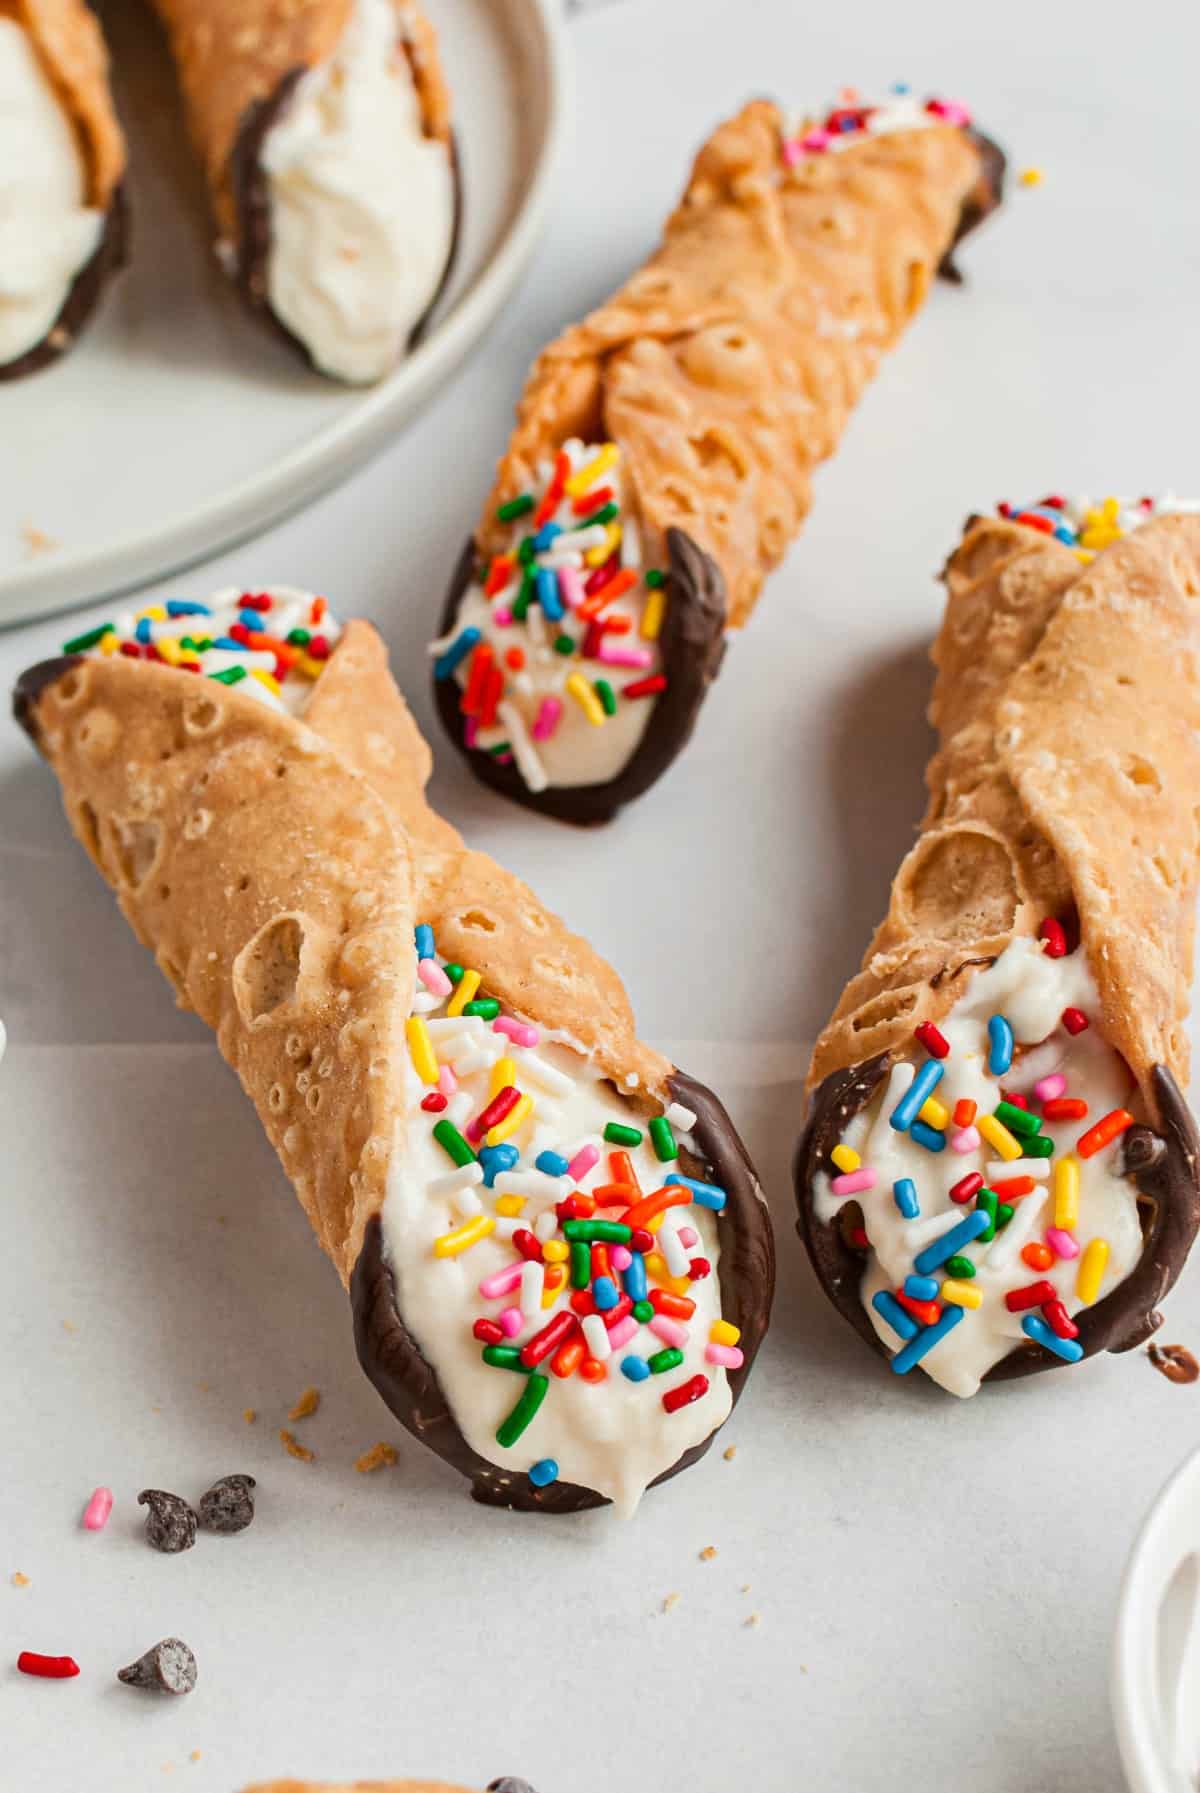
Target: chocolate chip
509 1784
169 1667
228 1505
1175 1361
170 1523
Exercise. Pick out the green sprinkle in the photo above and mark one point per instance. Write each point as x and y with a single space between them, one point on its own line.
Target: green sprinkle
607 696
960 1267
662 1361
526 553
524 598
618 1135
564 644
612 1232
499 748
655 578
452 1141
485 1006
1040 1146
515 507
1004 1214
581 1264
504 1357
985 1202
643 1311
299 637
1018 1120
606 514
232 675
662 1138
524 1411
79 644
454 973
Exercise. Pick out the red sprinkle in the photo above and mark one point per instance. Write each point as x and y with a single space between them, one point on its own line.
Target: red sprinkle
644 687
1053 937
641 1239
514 657
318 647
52 1668
618 1313
527 1245
1017 1101
499 574
1038 1257
131 650
555 1333
698 1269
933 1039
1059 1320
858 1238
601 576
966 1187
502 1103
319 607
568 1357
685 1394
1031 520
254 600
1034 1294
600 1261
592 501
488 1332
582 1302
1108 1128
578 1206
434 1102
1074 1020
927 1312
1064 1108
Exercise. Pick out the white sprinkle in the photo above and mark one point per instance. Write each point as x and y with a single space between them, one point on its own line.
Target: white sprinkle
1019 1167
424 1001
679 1118
1004 1248
545 1076
456 1024
459 1107
533 1282
672 1247
506 1226
596 1334
529 762
533 1183
546 1225
466 1202
461 1178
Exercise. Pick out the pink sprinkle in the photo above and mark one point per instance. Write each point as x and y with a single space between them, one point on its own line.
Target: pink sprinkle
670 1331
570 586
620 1257
447 1081
815 141
622 1332
953 111
1048 1089
519 1031
511 1322
728 1356
585 1159
792 152
502 1282
433 977
95 1514
549 713
965 1140
854 1181
471 732
688 1236
624 656
502 616
1065 1245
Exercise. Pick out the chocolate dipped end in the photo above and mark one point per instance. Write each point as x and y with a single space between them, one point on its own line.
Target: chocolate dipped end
252 207
691 646
984 198
1163 1166
409 1384
29 687
83 296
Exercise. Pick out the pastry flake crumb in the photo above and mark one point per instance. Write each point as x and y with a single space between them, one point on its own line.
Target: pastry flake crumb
249 1414
708 1553
380 1456
753 1622
36 540
195 1756
19 1580
293 1447
731 1453
69 1326
671 1601
307 1405
745 1588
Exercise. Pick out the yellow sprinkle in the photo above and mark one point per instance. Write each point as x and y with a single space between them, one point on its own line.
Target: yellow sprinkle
934 1114
504 1075
468 983
998 1135
448 1245
722 1333
554 1250
520 1111
961 1294
109 643
249 1414
586 698
1084 554
653 613
170 650
1066 1192
510 1206
1031 177
420 1048
379 1456
551 1295
656 1266
586 477
731 1453
1091 1271
293 1447
308 1403
845 1157
266 678
154 613
596 557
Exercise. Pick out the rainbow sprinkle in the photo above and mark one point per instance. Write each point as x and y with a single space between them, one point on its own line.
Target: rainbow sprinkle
853 120
1088 524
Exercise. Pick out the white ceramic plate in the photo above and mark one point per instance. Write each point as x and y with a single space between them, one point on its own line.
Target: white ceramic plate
179 426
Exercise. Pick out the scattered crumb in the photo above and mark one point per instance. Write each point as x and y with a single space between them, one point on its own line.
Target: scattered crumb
204 1387
708 1553
249 1414
19 1580
69 1326
731 1453
670 1601
1031 177
745 1587
292 1446
753 1622
195 1756
36 540
308 1403
379 1456
156 1410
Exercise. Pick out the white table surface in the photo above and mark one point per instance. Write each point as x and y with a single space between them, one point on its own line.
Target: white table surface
935 1581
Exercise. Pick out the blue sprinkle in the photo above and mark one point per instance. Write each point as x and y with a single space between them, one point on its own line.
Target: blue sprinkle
929 1137
889 1309
636 1368
183 607
913 1100
904 1193
543 1473
1000 1045
458 650
495 1159
232 646
1035 1328
634 1277
423 935
250 619
925 1340
548 594
921 1288
901 87
552 1163
706 1195
604 1293
935 1255
545 535
142 632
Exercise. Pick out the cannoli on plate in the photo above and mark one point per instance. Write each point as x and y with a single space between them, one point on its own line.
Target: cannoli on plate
999 1169
62 161
664 449
559 1262
505 1785
323 127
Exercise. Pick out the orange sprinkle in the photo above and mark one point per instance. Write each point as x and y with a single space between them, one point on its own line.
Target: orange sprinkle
499 574
1038 1257
620 1165
592 1370
1011 1189
671 1195
1108 1128
514 657
319 607
964 1112
606 594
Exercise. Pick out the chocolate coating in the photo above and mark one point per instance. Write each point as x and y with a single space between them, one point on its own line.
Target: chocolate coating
29 687
1163 1165
409 1384
252 204
108 258
691 646
983 199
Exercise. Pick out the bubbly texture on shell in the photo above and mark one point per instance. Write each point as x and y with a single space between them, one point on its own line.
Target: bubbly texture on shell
555 644
361 202
272 645
47 230
487 1240
1067 1234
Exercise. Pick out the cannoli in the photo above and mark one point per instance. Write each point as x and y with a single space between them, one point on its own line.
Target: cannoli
324 131
559 1262
62 161
664 448
290 1786
999 1172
